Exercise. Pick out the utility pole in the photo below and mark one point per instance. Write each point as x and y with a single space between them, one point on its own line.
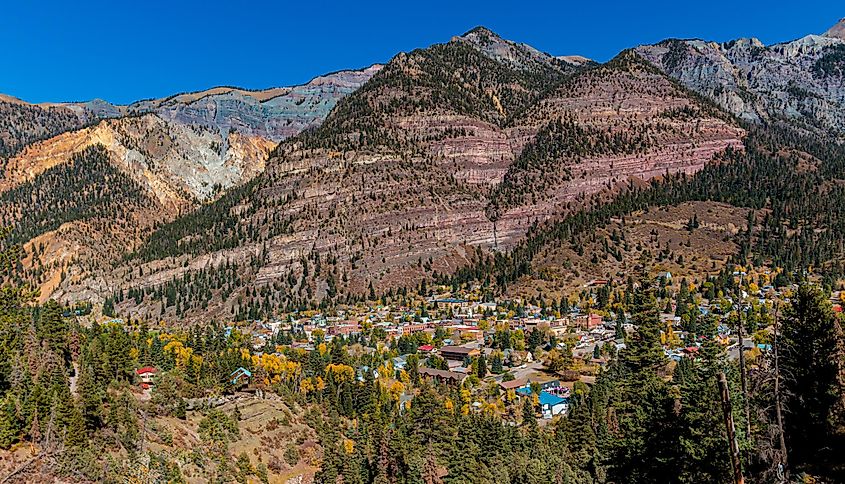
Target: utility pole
729 426
778 411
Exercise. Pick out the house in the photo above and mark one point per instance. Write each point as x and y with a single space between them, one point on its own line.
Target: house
666 276
426 349
486 307
458 353
588 321
550 405
412 328
690 351
147 375
513 384
361 373
240 376
399 362
516 358
346 328
443 376
452 303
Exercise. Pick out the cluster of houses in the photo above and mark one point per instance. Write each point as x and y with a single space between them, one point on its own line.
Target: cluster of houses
466 338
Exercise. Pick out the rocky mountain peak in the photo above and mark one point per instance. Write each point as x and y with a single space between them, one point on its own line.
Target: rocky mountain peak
837 31
516 55
575 60
481 34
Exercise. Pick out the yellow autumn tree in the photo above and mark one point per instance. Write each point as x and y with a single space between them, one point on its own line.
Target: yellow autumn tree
341 373
396 390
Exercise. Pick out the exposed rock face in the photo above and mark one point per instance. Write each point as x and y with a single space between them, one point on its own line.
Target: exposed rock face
516 55
182 152
575 60
621 121
837 31
274 114
799 81
179 164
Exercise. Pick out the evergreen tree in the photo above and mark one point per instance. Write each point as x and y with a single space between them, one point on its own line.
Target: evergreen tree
809 352
482 366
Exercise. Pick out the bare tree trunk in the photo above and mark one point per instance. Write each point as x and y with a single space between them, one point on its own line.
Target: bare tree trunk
736 466
778 409
742 376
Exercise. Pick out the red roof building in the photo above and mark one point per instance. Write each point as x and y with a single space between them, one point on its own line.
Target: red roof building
146 374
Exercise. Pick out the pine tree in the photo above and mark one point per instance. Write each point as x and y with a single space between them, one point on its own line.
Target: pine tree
497 364
642 402
482 366
10 424
808 346
644 352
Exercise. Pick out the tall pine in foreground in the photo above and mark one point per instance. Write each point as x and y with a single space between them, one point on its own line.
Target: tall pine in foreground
642 408
810 352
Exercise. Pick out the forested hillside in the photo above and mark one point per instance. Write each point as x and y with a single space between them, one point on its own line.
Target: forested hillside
447 149
643 420
478 263
21 124
792 183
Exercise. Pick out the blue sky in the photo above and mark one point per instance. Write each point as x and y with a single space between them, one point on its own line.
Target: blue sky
124 51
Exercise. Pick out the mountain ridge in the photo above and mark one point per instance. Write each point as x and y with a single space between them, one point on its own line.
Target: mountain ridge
332 196
438 154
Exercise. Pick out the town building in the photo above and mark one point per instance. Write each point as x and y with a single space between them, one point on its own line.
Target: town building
458 353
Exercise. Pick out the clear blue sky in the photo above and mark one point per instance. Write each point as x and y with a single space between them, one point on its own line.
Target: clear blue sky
122 51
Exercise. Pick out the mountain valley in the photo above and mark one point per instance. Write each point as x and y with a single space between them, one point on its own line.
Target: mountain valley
472 262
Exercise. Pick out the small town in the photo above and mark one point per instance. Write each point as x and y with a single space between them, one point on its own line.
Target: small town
473 242
502 353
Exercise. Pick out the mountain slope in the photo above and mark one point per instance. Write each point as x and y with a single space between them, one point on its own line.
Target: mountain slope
22 124
274 113
73 219
179 153
798 83
395 186
181 164
604 126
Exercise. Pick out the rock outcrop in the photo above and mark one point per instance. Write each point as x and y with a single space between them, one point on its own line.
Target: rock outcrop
800 82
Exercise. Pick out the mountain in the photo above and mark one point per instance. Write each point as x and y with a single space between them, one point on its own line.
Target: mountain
516 55
837 31
799 83
605 126
176 154
446 150
240 274
274 113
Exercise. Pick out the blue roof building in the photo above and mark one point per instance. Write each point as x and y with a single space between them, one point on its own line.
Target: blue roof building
241 375
550 404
